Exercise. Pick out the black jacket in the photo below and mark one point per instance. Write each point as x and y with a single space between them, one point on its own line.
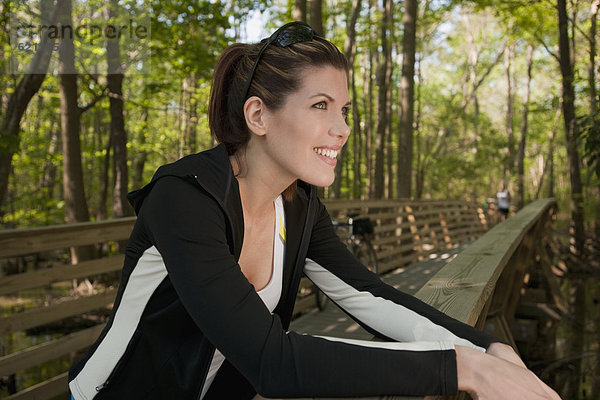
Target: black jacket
182 294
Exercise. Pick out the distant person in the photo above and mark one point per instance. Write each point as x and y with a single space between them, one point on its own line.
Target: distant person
503 196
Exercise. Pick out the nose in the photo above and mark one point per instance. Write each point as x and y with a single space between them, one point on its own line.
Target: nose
340 129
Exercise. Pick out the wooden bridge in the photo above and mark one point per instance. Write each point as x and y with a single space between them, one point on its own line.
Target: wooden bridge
501 281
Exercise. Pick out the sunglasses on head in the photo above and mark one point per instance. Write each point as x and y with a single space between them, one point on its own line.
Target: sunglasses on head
290 33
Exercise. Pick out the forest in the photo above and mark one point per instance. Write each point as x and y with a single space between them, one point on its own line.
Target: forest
449 98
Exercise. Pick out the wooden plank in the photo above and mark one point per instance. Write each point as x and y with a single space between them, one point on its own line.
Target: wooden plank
455 224
50 350
44 277
45 390
16 242
462 287
56 312
336 205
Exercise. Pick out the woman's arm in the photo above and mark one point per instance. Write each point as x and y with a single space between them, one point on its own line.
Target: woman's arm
383 310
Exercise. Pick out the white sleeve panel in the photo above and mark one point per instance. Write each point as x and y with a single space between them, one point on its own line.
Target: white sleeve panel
390 319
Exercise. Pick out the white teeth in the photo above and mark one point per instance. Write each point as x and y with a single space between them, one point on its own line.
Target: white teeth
326 152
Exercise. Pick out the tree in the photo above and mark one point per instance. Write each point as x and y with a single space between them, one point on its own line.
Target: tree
299 11
407 103
383 74
76 208
349 53
27 87
524 121
316 16
509 152
578 234
118 135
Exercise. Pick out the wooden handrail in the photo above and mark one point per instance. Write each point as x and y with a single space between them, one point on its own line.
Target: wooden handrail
17 242
466 287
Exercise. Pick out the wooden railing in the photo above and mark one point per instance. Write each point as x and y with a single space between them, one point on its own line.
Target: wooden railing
490 284
485 284
404 232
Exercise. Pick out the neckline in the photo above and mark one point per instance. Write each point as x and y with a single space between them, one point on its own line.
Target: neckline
278 203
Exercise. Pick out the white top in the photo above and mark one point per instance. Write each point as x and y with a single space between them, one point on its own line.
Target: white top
270 294
503 201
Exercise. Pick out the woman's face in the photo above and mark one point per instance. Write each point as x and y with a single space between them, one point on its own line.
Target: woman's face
304 136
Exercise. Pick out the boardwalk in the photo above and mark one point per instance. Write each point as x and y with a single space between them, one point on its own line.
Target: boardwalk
334 322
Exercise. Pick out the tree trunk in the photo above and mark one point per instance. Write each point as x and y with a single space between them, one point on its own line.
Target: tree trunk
76 209
369 105
382 107
407 103
18 101
102 213
189 116
142 155
192 131
349 49
4 21
509 152
521 154
592 65
299 11
420 167
577 221
472 61
551 181
49 176
595 390
389 70
568 106
316 16
357 139
114 80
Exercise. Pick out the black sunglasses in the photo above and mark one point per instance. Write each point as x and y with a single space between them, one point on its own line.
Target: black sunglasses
290 33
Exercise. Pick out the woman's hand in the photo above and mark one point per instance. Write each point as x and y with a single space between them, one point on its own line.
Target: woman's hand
488 377
505 352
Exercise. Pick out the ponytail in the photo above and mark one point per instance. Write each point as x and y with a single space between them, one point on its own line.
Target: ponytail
225 109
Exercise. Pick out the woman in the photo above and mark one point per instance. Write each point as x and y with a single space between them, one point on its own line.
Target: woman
222 238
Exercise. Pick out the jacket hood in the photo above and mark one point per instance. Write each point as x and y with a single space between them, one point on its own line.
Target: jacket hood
211 168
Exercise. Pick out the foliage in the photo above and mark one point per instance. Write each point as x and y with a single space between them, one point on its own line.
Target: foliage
460 133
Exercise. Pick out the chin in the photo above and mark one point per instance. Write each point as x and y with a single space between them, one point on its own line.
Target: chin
322 181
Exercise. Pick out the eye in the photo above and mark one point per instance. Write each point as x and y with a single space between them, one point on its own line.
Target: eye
321 105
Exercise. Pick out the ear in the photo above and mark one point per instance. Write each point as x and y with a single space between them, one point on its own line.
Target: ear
254 112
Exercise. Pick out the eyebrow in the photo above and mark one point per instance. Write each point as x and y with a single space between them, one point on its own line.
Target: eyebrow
329 98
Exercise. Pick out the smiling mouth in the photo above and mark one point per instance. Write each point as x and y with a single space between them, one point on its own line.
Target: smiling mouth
326 152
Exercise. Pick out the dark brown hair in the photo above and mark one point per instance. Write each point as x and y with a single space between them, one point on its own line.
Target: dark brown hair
277 75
